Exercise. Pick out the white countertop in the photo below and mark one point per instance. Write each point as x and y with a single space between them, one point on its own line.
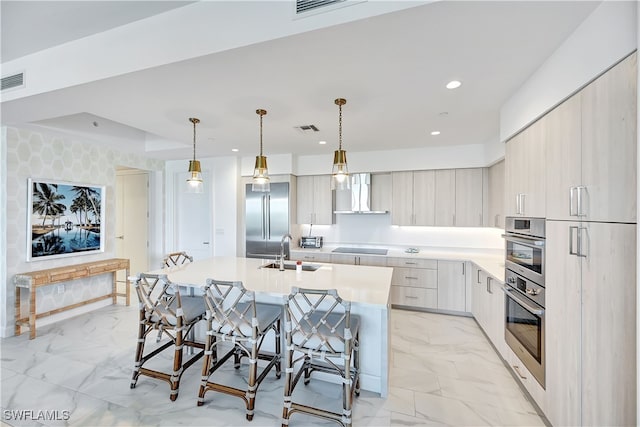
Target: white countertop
358 284
490 260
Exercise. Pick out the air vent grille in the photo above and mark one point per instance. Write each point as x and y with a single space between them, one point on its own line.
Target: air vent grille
307 128
303 6
15 80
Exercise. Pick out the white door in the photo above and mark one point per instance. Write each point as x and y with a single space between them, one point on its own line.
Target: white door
132 219
193 218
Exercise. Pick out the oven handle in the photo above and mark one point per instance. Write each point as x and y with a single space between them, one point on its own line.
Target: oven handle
529 308
530 241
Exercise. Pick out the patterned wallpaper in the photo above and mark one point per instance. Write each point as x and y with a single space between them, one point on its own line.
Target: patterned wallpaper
36 155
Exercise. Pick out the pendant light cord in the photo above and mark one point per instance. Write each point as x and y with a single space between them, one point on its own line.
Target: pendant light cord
340 126
194 140
261 134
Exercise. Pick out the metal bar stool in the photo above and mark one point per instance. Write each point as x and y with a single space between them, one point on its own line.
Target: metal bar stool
319 326
234 316
163 309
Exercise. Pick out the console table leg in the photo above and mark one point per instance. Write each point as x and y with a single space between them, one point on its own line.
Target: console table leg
114 288
18 329
127 284
32 313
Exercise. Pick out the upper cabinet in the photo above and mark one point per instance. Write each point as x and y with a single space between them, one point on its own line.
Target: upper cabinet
608 188
469 197
496 195
447 197
591 150
413 198
315 200
525 179
445 200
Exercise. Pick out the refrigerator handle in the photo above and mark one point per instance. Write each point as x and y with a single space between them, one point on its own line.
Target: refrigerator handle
262 216
268 210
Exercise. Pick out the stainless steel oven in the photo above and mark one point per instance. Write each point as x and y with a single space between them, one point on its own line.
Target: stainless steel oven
524 323
525 242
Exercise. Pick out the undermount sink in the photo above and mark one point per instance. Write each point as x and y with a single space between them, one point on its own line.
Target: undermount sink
292 266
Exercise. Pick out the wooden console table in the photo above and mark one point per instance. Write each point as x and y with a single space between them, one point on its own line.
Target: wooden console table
35 279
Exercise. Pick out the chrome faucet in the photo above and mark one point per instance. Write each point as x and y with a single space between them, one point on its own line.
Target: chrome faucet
282 249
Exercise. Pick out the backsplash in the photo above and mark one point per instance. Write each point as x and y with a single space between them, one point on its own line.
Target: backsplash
377 230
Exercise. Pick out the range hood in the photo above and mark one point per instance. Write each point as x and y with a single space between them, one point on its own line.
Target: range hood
357 200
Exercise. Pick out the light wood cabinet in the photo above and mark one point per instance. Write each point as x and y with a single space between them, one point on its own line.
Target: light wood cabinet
495 217
306 256
469 197
314 200
451 285
590 318
381 192
372 260
445 199
413 198
414 282
488 306
525 179
609 145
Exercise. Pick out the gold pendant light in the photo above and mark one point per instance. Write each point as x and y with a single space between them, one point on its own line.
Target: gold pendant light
260 172
194 182
340 174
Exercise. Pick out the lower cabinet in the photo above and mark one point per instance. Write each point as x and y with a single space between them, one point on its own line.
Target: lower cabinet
414 282
372 260
451 286
488 306
309 256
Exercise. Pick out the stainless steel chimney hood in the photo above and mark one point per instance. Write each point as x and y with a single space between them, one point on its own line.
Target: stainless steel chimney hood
358 199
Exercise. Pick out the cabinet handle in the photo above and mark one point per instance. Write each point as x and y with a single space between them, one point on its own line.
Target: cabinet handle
463 269
411 277
410 263
489 285
572 191
497 220
517 369
518 204
571 230
580 252
478 277
410 297
453 217
580 211
522 204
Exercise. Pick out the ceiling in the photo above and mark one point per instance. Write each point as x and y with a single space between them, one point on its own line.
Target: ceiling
391 68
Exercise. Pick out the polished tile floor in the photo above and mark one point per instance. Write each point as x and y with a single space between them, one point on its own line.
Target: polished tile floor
443 372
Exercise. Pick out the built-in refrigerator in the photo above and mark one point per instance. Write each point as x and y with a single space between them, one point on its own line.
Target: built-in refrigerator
267 220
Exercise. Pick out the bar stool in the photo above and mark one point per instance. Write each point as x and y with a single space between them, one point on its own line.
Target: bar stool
319 325
176 258
163 309
234 316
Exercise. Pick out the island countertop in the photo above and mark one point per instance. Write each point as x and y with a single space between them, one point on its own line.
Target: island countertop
359 284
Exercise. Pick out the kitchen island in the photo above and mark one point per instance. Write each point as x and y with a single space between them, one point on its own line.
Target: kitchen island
366 287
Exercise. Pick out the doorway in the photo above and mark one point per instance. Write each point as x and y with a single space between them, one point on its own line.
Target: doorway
132 219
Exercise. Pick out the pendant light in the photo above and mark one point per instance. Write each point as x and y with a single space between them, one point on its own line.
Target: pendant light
195 180
340 174
260 172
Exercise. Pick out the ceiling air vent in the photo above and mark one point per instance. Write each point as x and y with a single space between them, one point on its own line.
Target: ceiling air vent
303 6
307 128
10 82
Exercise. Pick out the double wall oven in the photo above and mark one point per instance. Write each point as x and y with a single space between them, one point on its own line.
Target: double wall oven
524 292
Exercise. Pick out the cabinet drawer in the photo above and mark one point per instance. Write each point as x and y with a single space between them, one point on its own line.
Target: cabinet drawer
415 277
412 263
310 256
414 297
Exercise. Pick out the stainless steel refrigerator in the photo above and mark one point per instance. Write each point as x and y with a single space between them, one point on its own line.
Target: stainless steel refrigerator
267 220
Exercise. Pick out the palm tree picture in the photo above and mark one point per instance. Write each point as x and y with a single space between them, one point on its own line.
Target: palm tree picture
65 219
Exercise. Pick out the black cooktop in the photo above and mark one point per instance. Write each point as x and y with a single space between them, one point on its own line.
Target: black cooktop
365 251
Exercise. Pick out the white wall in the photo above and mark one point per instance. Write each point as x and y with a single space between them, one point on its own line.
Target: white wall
605 37
461 156
377 230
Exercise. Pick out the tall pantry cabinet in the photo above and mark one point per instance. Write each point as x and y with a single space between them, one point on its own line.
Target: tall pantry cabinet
591 253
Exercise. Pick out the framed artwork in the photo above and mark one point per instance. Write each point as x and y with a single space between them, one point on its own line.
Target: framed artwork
64 219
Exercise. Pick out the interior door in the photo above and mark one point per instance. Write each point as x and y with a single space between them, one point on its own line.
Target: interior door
193 218
132 220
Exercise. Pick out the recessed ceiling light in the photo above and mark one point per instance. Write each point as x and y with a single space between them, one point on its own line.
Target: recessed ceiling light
322 142
235 150
435 132
453 84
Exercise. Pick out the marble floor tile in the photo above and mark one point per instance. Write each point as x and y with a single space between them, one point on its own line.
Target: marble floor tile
442 372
